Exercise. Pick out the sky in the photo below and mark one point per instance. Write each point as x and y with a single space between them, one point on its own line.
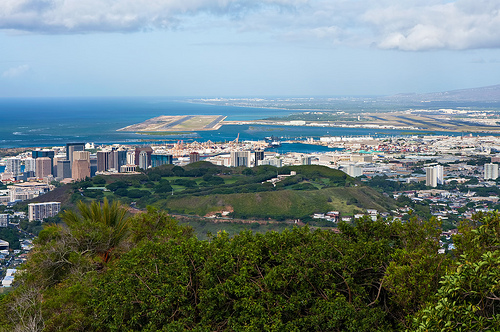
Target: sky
241 48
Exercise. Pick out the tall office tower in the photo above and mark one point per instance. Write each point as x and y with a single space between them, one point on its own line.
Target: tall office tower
80 170
43 167
103 160
439 174
158 159
194 157
44 153
490 171
63 169
29 165
131 158
93 165
81 165
259 155
119 159
13 165
431 177
240 158
81 155
306 160
40 211
138 150
143 160
71 148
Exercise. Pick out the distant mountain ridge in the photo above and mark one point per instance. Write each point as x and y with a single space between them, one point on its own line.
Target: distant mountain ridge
481 94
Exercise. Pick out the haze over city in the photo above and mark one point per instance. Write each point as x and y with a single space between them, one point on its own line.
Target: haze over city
246 48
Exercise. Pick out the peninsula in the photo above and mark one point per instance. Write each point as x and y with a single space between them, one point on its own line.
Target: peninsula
167 123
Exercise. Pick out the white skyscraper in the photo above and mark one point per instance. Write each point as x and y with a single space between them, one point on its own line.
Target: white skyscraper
29 165
143 160
13 165
240 158
431 177
490 171
439 174
434 175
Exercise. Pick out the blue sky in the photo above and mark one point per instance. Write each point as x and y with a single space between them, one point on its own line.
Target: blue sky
246 47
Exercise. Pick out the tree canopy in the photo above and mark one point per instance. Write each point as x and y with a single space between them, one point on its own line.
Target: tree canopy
106 271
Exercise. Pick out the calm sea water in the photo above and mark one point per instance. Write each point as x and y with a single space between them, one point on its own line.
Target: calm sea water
43 122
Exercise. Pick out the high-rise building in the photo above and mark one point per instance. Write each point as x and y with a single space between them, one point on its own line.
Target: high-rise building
80 170
143 160
13 165
240 158
119 159
148 150
434 175
42 153
431 177
439 174
490 171
103 160
29 165
71 148
81 165
194 157
40 211
306 160
81 155
161 159
43 167
63 169
259 155
93 165
45 153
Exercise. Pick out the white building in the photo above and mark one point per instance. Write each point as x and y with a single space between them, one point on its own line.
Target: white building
439 174
434 175
40 211
29 165
271 161
143 160
13 165
431 176
354 170
241 158
490 171
27 190
9 278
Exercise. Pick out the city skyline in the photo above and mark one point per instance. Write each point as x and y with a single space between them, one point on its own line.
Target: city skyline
246 48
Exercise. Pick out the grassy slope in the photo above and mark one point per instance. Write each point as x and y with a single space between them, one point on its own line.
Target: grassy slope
282 203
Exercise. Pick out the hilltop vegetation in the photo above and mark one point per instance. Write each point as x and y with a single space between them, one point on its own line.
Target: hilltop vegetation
202 188
107 272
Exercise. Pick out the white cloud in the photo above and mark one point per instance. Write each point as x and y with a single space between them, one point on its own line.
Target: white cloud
409 25
16 71
465 24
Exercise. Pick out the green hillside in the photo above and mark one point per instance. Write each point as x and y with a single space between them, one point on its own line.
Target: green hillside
283 204
248 193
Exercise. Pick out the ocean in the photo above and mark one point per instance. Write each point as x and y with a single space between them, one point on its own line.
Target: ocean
45 122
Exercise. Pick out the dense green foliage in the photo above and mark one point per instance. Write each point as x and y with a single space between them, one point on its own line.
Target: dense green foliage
107 271
10 235
469 296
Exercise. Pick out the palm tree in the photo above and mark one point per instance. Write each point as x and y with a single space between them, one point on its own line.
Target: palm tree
111 221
